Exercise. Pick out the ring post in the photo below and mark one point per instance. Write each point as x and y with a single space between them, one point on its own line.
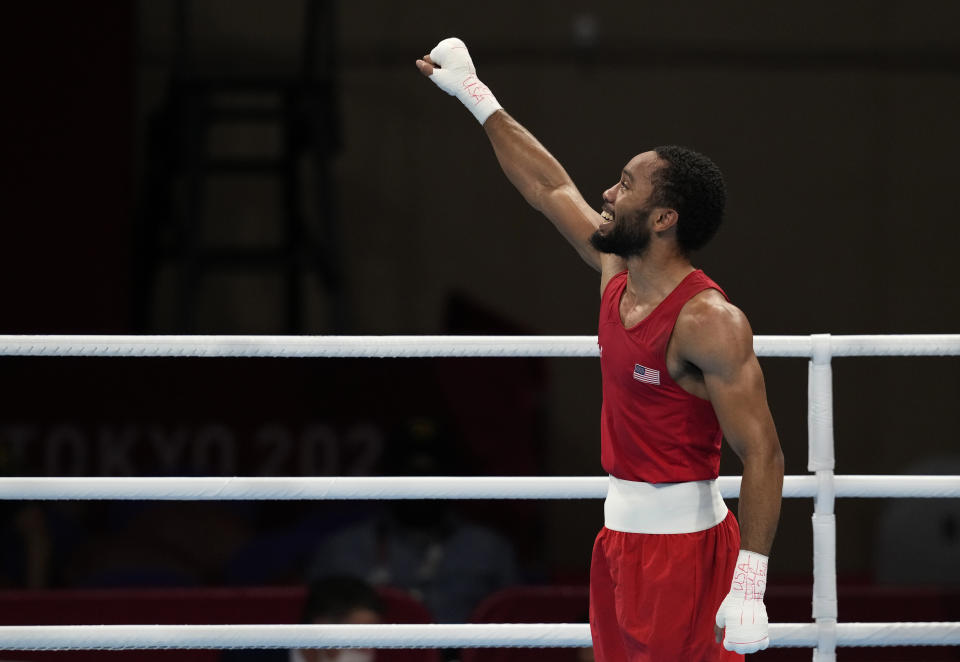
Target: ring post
821 461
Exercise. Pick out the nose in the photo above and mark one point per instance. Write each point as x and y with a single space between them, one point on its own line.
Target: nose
610 195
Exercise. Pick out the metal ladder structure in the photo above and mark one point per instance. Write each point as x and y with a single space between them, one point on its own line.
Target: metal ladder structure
179 167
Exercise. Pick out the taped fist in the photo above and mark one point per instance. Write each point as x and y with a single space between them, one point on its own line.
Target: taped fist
742 613
450 67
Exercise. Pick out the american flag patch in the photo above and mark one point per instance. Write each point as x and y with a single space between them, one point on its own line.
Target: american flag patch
646 375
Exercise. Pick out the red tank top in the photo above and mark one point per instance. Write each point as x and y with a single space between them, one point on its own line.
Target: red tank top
651 430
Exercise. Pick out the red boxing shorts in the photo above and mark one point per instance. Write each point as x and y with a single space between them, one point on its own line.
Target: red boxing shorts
654 597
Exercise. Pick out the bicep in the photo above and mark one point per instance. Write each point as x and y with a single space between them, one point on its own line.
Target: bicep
722 348
576 220
739 398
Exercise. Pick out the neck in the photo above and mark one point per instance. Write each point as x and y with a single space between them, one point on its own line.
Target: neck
655 274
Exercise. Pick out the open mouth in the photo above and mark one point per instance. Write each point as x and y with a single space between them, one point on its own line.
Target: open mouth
606 216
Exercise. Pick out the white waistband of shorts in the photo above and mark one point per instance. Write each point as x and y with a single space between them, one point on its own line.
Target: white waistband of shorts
635 507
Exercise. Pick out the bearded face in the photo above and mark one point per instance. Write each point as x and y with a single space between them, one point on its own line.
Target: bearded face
624 237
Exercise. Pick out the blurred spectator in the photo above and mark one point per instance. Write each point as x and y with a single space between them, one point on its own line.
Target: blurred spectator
422 546
341 600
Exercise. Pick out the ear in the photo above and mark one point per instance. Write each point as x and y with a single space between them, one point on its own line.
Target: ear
664 219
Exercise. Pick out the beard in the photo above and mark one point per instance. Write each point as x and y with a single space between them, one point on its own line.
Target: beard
628 238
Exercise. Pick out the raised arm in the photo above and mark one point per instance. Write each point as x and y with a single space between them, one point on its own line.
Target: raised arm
536 174
543 183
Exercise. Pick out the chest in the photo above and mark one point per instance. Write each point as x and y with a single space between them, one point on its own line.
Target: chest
640 348
633 311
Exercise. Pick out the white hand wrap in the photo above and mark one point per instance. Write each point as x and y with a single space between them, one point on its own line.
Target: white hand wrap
742 612
457 76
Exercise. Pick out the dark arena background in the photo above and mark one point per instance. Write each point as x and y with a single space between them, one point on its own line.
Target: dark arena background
253 167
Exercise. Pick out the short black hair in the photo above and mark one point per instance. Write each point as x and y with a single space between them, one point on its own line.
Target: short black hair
693 185
331 598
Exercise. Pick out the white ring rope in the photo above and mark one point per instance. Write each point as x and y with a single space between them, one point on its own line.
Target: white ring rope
825 634
500 635
424 487
302 346
431 346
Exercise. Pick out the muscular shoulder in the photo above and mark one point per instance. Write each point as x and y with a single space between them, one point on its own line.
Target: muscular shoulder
712 333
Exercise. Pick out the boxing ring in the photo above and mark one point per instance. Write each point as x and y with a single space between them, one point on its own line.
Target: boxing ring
824 634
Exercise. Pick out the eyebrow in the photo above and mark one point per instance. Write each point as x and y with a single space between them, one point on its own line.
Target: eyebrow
627 175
